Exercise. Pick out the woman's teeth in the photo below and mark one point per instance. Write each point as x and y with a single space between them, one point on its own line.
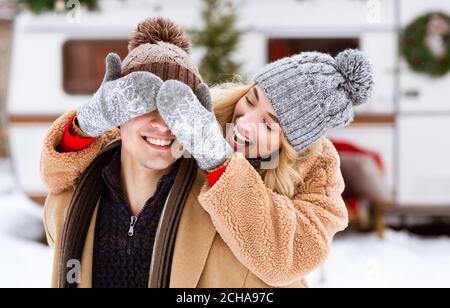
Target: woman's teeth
240 137
159 142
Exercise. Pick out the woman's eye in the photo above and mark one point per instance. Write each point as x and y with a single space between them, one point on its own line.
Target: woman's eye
269 127
249 101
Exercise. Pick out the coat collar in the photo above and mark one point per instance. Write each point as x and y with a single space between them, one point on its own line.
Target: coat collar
195 237
88 254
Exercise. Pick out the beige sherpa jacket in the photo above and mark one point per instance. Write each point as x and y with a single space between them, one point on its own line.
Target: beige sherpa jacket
276 238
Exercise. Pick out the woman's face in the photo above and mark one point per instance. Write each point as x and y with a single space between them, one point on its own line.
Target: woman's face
255 128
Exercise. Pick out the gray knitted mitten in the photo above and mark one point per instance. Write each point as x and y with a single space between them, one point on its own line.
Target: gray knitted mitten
119 99
195 127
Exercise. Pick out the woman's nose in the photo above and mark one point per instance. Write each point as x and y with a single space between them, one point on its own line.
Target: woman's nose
247 128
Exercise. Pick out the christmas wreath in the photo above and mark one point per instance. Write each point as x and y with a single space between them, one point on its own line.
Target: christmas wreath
425 44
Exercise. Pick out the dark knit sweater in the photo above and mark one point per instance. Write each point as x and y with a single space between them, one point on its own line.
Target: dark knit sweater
122 256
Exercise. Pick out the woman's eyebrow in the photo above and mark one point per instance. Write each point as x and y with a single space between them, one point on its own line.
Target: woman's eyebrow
273 117
256 93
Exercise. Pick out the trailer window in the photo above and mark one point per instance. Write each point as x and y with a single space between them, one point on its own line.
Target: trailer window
285 47
84 63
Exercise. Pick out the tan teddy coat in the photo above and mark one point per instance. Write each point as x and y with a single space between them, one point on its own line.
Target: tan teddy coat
237 233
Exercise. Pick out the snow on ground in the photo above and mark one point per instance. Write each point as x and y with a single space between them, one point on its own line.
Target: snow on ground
356 260
23 261
400 260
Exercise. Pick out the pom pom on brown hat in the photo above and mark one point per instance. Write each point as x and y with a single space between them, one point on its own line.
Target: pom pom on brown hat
161 47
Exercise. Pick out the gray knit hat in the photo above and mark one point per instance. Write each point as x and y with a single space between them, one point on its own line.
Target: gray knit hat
313 92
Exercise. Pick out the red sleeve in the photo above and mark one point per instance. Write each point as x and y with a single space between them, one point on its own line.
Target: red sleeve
215 175
72 142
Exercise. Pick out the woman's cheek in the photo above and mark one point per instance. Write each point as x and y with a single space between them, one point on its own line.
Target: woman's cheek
270 144
265 143
273 142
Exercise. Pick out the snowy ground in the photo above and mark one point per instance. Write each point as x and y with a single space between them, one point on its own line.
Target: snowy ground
401 260
23 261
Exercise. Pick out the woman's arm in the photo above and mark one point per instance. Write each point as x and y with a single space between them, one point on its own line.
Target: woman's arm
278 238
61 169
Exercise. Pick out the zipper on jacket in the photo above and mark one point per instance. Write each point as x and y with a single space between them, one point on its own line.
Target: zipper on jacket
131 230
133 222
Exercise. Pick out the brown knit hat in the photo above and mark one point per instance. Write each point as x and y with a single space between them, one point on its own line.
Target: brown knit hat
161 47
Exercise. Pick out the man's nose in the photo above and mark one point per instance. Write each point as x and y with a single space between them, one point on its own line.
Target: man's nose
159 124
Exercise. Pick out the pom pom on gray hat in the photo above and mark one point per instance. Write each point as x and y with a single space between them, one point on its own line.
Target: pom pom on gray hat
358 74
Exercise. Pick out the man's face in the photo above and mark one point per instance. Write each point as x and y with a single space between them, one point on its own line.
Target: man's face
150 142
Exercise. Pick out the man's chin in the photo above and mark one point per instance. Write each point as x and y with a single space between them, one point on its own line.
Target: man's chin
158 163
157 160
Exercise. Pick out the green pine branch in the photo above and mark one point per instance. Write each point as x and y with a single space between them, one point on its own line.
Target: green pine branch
220 39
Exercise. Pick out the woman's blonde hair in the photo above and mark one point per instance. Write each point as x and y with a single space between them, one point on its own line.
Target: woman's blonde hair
286 176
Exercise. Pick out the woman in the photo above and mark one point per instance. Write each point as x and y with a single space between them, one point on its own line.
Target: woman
278 222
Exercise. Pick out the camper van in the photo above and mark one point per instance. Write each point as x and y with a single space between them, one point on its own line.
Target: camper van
58 63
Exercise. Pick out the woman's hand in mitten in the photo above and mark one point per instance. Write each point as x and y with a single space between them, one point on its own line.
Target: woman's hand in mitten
195 127
119 99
